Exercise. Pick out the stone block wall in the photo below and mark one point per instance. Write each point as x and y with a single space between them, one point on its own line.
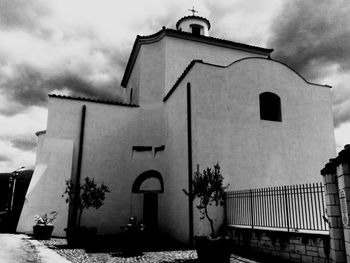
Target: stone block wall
336 177
278 246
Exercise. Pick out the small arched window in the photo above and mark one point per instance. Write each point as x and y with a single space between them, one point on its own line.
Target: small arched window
270 107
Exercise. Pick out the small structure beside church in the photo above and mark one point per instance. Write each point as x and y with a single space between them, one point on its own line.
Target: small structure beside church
190 101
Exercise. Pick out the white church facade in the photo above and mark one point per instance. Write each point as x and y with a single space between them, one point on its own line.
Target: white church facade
189 100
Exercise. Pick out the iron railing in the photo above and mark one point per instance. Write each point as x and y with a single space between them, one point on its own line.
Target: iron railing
293 207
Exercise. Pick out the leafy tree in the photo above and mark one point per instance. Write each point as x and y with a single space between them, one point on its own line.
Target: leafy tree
91 195
208 187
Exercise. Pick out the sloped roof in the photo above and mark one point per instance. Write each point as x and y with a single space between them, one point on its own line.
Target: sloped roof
92 100
140 40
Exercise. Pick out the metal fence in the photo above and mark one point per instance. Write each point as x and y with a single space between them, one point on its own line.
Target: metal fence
290 207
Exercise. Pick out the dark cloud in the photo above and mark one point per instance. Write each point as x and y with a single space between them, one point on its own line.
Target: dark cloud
29 84
341 101
30 87
25 144
21 13
311 35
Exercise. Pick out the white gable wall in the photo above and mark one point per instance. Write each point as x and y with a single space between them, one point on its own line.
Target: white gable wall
179 53
159 65
148 79
256 153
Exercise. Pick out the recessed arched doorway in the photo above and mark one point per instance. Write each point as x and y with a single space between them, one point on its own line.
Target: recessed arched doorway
150 184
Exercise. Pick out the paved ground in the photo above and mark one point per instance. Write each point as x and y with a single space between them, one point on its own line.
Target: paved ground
18 248
21 248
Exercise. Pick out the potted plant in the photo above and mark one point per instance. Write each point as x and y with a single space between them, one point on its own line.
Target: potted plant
90 196
43 227
132 237
209 189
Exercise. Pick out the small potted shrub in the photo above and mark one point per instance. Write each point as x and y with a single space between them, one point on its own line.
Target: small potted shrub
132 237
209 189
43 227
90 196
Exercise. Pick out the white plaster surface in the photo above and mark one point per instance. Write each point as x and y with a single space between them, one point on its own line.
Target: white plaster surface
173 208
151 184
255 153
160 64
185 25
45 191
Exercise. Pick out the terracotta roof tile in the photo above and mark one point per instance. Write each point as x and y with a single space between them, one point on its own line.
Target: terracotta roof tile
92 100
233 44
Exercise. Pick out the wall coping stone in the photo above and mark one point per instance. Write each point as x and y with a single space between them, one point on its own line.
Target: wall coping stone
343 156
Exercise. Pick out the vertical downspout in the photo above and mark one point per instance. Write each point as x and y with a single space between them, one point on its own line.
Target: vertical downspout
189 141
73 221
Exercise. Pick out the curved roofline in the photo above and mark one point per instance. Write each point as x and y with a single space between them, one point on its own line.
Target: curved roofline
141 40
193 62
192 16
280 62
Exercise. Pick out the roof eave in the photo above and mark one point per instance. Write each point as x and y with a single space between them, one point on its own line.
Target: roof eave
117 103
140 40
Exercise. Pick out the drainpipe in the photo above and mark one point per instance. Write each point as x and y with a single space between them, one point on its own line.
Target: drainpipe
73 221
189 141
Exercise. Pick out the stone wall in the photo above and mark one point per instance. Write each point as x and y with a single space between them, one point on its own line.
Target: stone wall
278 246
336 176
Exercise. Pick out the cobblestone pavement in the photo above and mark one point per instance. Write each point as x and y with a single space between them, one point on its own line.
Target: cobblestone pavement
81 256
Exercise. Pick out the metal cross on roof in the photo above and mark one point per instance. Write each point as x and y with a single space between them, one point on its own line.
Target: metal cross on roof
193 10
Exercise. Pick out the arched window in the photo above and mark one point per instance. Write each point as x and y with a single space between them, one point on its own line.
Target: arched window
270 107
149 181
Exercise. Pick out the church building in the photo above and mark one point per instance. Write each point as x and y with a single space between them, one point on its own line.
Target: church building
190 100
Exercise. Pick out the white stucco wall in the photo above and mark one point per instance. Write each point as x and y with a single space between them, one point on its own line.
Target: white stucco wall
110 133
185 25
179 53
256 153
158 65
174 209
134 83
148 79
53 167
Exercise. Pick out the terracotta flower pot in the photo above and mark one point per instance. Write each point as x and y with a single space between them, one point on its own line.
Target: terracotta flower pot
132 243
42 231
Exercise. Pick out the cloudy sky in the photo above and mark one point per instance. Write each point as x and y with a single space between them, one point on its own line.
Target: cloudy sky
80 47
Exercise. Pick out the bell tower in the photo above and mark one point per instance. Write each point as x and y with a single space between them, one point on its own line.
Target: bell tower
196 25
